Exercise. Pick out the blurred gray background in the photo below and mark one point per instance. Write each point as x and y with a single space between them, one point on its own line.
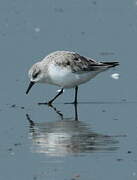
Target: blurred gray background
104 30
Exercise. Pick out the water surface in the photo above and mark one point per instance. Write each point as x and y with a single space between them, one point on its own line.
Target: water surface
98 139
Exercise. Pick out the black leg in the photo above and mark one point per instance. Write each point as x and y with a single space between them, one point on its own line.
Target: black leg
76 94
60 92
76 112
51 101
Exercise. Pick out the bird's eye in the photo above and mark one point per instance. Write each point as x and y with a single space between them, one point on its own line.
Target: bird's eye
35 74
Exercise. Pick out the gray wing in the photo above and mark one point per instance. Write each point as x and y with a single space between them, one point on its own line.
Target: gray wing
81 64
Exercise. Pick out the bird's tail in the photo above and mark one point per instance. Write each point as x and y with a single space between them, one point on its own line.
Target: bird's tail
110 64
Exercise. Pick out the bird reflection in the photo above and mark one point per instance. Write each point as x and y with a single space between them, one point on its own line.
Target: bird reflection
67 136
61 115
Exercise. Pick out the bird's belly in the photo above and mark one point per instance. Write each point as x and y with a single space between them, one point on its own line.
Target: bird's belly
75 79
63 77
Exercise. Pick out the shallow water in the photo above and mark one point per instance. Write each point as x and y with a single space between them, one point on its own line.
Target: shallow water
96 139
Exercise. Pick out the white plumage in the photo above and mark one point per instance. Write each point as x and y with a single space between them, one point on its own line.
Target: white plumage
66 70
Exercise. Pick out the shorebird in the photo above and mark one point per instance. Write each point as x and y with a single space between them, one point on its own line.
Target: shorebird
66 70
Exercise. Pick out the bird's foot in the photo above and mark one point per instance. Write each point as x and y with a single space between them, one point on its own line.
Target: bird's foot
46 103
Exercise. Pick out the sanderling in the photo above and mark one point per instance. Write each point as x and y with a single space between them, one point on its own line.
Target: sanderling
66 70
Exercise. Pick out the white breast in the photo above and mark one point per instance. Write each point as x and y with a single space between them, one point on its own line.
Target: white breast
63 77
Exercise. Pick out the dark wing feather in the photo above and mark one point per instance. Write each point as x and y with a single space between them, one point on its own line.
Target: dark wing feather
81 64
110 64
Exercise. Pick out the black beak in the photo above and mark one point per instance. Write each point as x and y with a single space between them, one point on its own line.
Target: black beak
30 86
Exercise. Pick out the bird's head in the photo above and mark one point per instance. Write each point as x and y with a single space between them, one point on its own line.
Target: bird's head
35 75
